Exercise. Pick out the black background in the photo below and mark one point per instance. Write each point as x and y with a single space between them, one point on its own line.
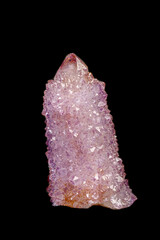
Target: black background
116 51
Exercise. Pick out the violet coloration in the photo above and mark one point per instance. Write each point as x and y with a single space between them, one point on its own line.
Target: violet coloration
82 150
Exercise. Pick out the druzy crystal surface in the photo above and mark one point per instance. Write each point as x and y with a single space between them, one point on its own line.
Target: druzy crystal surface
84 165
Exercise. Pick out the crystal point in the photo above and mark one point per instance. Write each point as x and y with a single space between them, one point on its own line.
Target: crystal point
84 165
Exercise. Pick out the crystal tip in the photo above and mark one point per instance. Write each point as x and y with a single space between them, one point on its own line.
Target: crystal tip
70 58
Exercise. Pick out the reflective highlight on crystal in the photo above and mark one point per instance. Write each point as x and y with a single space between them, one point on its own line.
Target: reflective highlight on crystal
84 165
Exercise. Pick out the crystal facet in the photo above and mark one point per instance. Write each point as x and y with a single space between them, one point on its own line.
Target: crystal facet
84 165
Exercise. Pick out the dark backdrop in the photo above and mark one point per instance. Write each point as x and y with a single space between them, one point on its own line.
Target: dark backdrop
118 57
118 44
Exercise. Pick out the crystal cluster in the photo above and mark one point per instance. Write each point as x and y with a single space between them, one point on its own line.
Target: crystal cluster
84 166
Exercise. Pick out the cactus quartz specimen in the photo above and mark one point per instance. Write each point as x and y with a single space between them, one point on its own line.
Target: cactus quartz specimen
84 165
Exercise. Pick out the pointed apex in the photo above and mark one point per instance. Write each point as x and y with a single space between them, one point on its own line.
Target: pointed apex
73 59
70 58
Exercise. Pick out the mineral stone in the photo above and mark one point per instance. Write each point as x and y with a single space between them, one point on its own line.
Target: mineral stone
82 151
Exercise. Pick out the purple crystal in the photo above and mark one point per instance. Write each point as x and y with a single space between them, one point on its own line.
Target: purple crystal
85 168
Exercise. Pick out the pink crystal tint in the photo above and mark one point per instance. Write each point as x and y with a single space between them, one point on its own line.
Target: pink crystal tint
84 165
